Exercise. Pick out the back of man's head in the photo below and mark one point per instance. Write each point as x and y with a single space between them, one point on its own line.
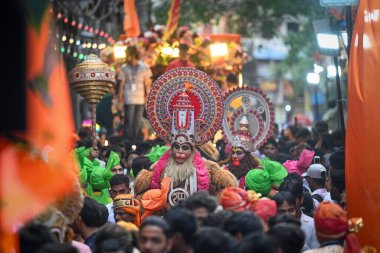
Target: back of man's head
201 199
288 236
182 221
33 237
243 223
212 240
93 214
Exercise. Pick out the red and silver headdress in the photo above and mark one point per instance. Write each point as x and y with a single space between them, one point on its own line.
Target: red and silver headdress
185 105
247 119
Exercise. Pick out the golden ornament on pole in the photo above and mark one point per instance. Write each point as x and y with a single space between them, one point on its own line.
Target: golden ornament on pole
92 79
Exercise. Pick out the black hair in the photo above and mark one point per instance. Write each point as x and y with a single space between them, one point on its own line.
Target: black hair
133 51
293 130
117 149
327 142
134 152
338 179
115 140
273 142
302 133
308 204
84 133
320 181
283 218
212 240
289 237
217 219
257 242
158 222
58 248
322 127
232 78
337 160
183 47
119 179
140 163
293 185
243 222
182 221
113 237
201 199
33 237
93 214
338 138
284 196
143 147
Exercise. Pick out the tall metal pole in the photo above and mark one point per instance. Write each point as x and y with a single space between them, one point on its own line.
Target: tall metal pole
316 103
340 100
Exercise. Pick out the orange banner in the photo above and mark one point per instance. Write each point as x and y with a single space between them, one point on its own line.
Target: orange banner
363 123
173 19
131 19
35 173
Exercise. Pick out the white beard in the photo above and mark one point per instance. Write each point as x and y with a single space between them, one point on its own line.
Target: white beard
180 172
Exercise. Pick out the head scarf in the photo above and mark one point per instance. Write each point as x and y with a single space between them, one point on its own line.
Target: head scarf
157 152
276 171
259 181
128 204
155 199
236 199
300 166
331 223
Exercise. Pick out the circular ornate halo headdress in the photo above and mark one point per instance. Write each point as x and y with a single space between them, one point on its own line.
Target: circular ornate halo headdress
248 117
185 103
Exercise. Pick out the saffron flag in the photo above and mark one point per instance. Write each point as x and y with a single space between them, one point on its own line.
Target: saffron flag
363 123
131 19
173 19
39 169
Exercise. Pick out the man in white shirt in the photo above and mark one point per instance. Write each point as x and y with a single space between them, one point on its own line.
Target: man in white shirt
119 185
316 178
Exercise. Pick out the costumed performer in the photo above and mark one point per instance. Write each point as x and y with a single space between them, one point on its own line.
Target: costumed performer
185 109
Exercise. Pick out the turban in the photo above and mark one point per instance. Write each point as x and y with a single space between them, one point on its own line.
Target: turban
236 199
302 164
276 171
156 153
155 199
128 204
265 208
331 223
259 181
128 226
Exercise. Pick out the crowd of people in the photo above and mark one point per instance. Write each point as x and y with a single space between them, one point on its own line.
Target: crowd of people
255 190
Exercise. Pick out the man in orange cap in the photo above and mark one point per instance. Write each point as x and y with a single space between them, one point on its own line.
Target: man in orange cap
126 208
333 230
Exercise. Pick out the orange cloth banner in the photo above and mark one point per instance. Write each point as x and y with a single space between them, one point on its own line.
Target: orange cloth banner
34 174
173 19
131 20
363 123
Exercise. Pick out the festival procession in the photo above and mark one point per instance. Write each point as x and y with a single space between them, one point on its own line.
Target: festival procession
181 126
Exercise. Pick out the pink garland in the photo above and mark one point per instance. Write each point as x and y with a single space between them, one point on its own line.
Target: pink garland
203 179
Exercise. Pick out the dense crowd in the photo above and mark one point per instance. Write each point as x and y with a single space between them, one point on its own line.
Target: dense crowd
302 209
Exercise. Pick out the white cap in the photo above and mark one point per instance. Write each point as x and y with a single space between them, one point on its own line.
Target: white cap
316 171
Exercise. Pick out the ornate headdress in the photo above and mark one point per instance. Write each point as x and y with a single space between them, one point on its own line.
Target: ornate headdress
185 105
248 117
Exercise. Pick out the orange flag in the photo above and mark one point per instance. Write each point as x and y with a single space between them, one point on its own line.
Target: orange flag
37 171
363 123
131 20
173 19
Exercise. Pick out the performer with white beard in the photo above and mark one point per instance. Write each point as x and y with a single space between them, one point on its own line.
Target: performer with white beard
185 108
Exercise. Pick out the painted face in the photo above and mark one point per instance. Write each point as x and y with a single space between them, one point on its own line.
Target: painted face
117 170
181 152
152 240
237 155
287 208
270 151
